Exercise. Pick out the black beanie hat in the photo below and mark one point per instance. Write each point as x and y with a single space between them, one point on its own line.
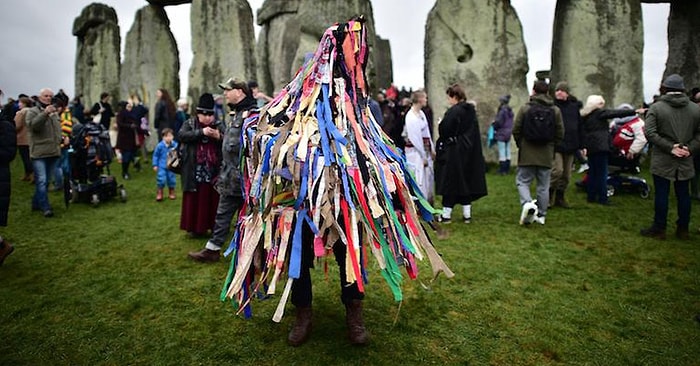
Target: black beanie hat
206 103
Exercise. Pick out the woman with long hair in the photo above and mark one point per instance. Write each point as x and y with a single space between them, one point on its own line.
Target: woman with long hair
164 112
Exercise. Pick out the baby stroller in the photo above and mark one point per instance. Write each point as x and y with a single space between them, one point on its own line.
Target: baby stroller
92 154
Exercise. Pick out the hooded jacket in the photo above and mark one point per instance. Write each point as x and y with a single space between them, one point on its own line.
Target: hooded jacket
673 119
531 154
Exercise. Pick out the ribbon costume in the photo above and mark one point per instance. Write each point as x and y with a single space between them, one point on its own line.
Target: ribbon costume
316 156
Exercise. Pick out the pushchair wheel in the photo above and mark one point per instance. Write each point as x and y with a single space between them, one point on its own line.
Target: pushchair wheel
611 190
644 192
95 199
122 194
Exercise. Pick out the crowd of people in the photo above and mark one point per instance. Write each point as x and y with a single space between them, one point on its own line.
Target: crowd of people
550 131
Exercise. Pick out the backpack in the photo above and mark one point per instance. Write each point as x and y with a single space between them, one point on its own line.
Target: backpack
539 124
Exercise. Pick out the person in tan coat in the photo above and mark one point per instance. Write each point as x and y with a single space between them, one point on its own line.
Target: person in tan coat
23 138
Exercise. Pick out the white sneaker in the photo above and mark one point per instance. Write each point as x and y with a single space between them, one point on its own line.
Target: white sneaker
528 213
539 220
582 168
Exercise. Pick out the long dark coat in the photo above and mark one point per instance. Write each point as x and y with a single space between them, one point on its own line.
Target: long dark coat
459 167
8 149
126 130
190 136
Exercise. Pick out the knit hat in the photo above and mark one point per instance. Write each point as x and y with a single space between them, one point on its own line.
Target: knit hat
504 99
206 103
593 102
674 81
563 86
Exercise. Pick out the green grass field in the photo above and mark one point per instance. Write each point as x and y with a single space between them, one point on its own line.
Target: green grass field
112 285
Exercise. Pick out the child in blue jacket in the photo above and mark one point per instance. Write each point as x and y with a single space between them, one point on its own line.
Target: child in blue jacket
160 158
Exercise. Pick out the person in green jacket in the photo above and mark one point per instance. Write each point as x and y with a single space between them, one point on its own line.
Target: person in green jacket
673 129
45 139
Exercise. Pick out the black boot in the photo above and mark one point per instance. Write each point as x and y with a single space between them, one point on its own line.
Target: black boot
559 199
502 168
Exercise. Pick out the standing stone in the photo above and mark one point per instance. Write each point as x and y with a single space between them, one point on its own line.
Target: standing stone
597 47
168 2
383 65
684 42
151 60
97 53
223 44
291 29
479 45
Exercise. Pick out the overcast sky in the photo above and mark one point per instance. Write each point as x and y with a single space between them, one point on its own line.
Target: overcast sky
40 47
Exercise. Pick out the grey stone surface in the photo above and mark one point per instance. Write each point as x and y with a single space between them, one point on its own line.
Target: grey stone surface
97 53
382 63
168 2
479 45
597 47
291 29
151 59
223 44
684 42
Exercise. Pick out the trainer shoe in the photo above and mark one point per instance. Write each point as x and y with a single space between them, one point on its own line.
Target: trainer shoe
443 220
528 212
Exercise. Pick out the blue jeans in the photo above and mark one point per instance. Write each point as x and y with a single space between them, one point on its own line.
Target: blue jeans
503 150
42 169
598 177
662 188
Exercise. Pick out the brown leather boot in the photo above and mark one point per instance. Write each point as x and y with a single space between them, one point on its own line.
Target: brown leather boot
206 255
356 326
559 199
171 193
5 250
159 195
302 327
682 233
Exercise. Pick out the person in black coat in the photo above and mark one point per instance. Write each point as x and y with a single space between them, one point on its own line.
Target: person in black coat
8 150
597 142
104 109
460 170
565 152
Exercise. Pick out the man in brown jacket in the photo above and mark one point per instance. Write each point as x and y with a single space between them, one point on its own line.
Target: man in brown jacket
673 129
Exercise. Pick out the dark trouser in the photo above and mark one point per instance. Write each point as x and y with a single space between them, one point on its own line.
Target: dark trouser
127 158
662 188
301 288
450 201
228 205
598 177
26 161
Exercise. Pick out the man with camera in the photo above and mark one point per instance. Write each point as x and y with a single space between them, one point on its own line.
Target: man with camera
45 139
